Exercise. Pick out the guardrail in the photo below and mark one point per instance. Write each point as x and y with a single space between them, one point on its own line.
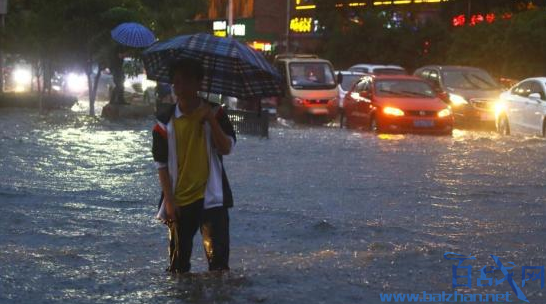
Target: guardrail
250 122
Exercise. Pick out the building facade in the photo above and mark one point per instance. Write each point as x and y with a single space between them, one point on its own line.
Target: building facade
259 23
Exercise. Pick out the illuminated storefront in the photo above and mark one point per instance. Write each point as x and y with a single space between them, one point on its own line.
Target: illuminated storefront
306 29
245 31
262 24
258 23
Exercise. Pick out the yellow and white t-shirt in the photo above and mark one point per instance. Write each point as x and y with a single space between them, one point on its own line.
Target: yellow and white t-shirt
193 161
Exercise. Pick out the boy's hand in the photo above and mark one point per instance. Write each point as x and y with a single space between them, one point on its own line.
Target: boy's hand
205 112
169 209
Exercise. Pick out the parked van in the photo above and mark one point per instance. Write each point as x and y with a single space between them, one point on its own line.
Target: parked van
309 85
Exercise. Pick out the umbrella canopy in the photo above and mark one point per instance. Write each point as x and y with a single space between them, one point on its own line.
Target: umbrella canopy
133 34
231 68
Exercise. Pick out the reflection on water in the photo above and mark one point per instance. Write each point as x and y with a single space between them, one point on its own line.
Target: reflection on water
322 214
391 136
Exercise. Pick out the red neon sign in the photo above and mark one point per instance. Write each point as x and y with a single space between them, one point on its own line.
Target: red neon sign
461 20
475 19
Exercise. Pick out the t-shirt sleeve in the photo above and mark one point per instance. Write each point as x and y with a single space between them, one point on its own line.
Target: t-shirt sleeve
226 125
160 149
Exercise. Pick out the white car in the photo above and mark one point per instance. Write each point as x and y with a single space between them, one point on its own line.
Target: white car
378 69
523 108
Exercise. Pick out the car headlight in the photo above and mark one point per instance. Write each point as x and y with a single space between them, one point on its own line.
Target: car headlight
457 100
77 83
444 113
22 77
393 111
499 107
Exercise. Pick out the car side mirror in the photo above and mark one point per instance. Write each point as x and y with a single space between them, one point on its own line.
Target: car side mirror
443 95
436 88
535 96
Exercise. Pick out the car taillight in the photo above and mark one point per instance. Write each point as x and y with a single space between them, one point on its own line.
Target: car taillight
298 101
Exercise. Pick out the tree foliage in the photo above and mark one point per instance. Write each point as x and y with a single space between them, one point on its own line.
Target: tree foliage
371 36
513 48
58 35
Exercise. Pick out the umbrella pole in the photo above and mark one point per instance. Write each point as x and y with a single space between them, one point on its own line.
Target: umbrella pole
211 78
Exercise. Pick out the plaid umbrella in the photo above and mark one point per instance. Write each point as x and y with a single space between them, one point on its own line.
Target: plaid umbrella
133 34
231 68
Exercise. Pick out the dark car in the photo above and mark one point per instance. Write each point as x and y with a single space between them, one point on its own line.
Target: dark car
471 92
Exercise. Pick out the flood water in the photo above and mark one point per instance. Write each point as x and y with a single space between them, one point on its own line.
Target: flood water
322 215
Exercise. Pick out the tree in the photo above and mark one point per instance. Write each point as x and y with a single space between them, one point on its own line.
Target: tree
87 36
481 45
513 48
33 34
525 45
375 36
66 34
169 18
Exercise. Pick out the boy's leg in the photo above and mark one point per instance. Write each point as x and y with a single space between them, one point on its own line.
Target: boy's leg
215 232
182 232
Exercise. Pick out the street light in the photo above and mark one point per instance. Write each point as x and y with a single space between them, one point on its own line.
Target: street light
288 7
3 11
230 18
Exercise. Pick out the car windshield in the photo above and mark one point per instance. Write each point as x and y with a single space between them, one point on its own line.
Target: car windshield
469 80
403 88
311 76
389 71
359 69
348 81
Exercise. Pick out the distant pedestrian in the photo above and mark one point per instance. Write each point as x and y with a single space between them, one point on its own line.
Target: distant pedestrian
189 141
164 97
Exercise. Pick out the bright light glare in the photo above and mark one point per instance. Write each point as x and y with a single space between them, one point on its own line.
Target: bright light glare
393 111
77 83
148 84
22 77
500 107
444 113
457 100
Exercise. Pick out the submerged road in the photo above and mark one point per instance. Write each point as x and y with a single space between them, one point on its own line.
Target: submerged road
321 215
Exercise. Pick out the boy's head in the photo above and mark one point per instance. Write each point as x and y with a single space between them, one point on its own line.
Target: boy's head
186 75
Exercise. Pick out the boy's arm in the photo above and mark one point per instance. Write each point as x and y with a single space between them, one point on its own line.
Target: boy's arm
160 153
223 135
221 141
168 198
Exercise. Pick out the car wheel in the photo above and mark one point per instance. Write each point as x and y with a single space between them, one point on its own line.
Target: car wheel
373 124
503 127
